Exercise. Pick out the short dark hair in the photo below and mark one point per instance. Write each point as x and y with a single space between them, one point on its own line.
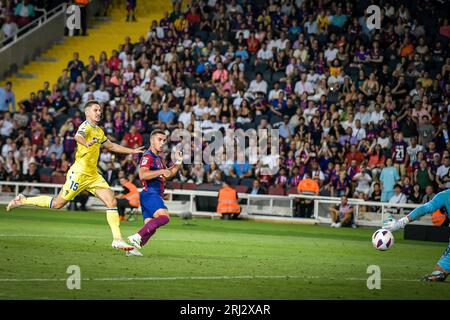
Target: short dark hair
90 103
157 131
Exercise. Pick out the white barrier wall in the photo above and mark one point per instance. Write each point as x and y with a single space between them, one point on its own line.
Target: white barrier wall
262 207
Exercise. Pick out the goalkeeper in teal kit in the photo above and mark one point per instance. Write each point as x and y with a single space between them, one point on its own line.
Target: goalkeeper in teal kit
441 200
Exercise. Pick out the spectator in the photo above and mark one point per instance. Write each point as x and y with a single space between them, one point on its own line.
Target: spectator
256 188
7 98
57 148
24 12
75 67
429 194
227 204
307 186
342 214
32 176
132 139
9 28
129 198
388 178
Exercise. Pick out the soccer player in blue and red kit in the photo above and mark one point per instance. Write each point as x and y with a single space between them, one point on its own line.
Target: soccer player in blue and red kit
153 172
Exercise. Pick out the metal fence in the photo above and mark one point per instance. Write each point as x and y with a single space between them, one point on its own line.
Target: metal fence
269 207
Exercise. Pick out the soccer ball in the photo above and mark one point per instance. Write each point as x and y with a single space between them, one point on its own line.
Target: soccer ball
382 239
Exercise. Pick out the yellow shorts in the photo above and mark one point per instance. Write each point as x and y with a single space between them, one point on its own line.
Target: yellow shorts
77 182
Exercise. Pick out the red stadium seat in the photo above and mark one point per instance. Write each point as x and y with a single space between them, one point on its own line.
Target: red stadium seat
58 179
276 191
292 190
188 186
241 189
173 185
45 178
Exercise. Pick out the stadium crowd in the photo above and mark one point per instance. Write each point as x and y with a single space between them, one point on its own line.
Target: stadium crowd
15 14
362 112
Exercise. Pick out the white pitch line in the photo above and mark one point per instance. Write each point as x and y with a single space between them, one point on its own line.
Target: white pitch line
182 278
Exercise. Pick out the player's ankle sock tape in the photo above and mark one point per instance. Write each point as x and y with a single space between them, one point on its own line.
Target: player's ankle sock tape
41 201
112 216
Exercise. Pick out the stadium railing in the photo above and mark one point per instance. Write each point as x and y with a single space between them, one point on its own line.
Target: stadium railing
254 207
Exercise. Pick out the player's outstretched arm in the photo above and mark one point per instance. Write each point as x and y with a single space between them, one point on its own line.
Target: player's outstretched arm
117 148
428 208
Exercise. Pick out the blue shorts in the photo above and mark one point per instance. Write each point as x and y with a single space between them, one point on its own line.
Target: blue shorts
150 203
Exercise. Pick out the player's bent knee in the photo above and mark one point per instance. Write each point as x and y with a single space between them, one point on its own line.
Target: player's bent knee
111 203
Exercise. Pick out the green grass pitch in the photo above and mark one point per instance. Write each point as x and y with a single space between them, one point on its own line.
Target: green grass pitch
206 259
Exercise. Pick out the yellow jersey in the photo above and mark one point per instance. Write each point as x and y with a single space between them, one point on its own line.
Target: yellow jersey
86 159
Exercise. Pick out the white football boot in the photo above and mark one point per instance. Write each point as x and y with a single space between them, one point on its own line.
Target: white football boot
135 240
121 245
133 252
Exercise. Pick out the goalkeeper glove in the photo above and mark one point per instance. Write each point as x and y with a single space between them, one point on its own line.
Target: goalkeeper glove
393 225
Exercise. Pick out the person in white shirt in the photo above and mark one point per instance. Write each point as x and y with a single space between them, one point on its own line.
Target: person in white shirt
312 77
330 53
200 109
398 198
258 85
413 149
9 28
363 116
88 95
442 176
264 53
6 125
303 86
383 140
358 132
145 94
363 179
376 115
129 62
186 116
281 42
273 94
101 94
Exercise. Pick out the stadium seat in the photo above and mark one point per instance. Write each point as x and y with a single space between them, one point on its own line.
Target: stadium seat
232 181
173 185
45 178
241 189
248 182
292 190
46 171
276 191
188 186
208 187
58 179
249 125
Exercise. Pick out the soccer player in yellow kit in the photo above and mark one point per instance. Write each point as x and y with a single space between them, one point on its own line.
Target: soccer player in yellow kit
83 174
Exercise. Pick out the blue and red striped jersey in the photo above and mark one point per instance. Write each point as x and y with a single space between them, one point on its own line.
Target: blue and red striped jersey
153 162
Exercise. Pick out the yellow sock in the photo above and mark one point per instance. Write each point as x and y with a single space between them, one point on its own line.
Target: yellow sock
112 215
41 201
